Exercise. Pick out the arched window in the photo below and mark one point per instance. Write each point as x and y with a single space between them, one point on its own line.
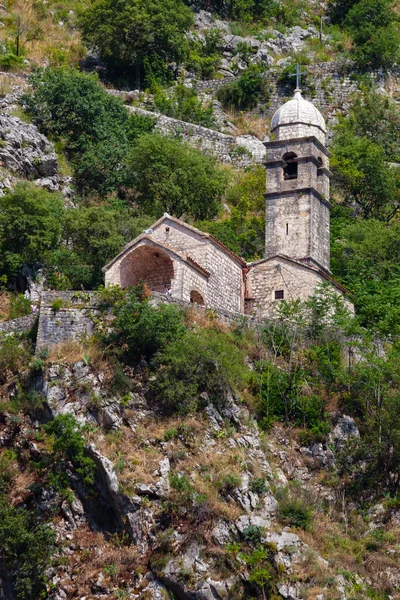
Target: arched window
196 298
290 168
320 166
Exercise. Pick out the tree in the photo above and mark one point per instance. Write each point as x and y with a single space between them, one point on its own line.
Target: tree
246 91
91 236
338 9
375 35
173 177
127 32
365 257
375 116
363 175
73 106
30 226
94 127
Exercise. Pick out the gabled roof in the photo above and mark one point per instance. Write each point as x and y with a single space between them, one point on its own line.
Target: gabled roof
202 234
163 246
323 274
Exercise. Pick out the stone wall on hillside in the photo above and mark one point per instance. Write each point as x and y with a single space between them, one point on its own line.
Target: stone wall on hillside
241 151
65 316
75 317
21 325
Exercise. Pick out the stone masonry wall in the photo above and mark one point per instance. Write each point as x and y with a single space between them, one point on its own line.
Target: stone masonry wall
73 320
224 286
240 151
296 281
21 325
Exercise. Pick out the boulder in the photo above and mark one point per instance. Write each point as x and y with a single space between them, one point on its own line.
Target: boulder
24 150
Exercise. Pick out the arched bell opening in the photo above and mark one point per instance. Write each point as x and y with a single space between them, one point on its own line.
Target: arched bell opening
290 170
148 264
320 166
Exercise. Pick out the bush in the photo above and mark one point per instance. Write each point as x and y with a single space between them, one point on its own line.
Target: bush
173 177
139 330
19 307
294 511
203 365
26 547
183 103
68 451
15 355
246 92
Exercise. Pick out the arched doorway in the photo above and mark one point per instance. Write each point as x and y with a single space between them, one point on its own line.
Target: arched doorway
148 264
196 298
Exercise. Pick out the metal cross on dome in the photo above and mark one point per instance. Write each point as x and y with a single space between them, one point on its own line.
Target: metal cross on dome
298 75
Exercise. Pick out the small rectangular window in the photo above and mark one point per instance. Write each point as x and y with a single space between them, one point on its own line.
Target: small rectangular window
279 295
287 228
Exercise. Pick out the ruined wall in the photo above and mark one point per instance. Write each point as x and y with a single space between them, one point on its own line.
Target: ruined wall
72 321
21 325
240 151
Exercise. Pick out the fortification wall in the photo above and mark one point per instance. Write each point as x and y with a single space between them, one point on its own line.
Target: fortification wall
241 151
21 325
76 316
72 320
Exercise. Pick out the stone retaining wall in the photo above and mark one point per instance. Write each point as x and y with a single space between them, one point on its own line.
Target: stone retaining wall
21 325
71 321
75 318
241 151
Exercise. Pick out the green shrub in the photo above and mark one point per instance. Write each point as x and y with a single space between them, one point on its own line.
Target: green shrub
8 469
202 361
139 330
258 485
183 103
246 92
294 511
68 451
26 547
15 355
57 304
19 306
228 483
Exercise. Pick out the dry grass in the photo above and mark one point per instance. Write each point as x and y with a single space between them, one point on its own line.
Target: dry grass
96 554
72 352
57 43
4 306
250 124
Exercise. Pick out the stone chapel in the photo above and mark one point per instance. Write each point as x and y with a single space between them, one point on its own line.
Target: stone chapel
200 269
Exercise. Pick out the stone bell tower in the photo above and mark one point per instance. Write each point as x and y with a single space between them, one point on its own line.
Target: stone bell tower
297 198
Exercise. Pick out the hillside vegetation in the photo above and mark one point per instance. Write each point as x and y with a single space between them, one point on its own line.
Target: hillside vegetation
170 455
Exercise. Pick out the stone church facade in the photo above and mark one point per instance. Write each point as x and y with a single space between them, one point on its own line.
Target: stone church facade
200 269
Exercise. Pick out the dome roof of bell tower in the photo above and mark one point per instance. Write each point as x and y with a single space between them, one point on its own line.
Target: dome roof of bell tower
298 118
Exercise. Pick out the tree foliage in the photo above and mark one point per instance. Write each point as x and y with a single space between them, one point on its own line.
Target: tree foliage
373 25
128 33
245 92
364 151
173 177
30 226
